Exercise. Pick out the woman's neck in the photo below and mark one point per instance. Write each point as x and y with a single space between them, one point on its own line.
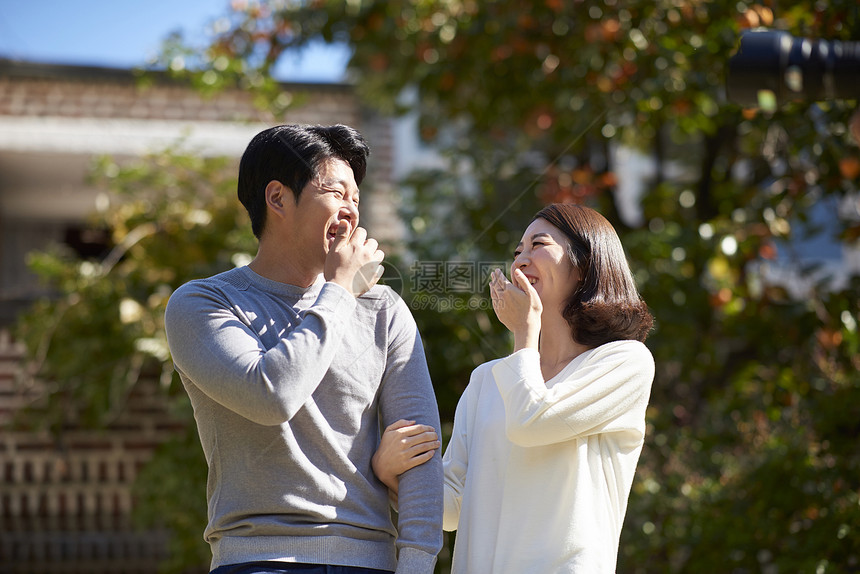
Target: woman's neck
557 347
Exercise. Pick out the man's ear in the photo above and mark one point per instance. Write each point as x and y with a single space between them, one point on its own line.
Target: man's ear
279 197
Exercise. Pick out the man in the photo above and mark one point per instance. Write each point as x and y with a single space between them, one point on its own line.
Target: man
293 363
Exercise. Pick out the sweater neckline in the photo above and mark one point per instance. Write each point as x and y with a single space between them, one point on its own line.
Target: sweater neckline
570 367
282 289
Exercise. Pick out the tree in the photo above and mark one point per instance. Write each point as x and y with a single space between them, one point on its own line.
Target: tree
750 461
172 218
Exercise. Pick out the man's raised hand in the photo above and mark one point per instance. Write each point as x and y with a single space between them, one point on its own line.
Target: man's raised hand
353 260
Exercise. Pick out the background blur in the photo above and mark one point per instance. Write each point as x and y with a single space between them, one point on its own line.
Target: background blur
129 35
117 184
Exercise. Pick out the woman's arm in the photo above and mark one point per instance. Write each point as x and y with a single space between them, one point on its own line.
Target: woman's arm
608 392
455 462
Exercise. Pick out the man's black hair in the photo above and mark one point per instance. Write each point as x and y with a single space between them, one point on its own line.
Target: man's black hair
292 154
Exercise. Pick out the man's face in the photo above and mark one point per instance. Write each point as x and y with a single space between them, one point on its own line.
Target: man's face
328 199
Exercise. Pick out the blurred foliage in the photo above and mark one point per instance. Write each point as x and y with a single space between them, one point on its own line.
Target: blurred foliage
172 218
751 461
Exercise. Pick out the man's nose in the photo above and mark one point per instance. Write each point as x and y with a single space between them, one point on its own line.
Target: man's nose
351 212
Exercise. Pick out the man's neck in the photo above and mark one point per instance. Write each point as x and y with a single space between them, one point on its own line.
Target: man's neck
283 268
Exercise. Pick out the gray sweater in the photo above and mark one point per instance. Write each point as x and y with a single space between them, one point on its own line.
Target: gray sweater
290 387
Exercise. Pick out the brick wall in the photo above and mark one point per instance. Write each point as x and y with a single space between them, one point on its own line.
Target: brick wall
44 91
64 91
65 500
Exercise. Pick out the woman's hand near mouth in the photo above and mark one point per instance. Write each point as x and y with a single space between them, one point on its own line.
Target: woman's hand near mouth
518 307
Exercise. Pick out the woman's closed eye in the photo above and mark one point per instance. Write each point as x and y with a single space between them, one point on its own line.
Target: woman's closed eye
518 252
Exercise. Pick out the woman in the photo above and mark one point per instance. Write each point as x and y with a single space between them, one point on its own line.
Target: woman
545 441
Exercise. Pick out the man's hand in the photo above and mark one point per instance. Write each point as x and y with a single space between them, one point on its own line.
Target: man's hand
354 260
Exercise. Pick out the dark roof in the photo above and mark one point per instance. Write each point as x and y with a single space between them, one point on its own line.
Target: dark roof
27 69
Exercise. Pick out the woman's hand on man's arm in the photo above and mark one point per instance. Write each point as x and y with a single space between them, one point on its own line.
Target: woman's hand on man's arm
404 445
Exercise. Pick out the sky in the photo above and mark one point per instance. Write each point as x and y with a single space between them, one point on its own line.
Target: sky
128 33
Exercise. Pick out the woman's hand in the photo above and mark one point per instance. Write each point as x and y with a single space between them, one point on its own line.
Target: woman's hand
403 445
518 307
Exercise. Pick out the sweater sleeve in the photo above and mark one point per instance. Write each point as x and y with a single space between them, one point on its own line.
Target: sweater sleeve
455 462
407 393
220 354
608 392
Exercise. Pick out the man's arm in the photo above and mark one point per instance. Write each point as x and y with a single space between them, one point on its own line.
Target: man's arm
226 359
212 347
407 393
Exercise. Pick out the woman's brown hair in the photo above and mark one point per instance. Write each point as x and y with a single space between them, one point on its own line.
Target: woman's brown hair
605 306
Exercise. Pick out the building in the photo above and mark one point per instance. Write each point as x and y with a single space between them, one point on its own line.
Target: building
65 503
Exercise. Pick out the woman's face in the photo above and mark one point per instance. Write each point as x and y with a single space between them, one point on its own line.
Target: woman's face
542 257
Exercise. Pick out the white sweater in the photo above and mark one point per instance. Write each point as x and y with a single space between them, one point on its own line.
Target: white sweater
537 475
